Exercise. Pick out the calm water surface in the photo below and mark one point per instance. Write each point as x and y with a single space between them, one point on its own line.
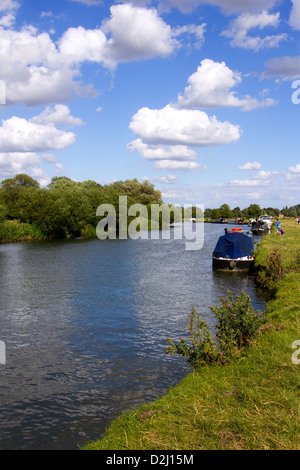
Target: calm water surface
84 324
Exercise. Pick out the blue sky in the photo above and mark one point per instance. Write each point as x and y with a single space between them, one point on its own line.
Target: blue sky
193 95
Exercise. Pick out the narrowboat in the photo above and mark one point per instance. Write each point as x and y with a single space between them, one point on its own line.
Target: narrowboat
234 251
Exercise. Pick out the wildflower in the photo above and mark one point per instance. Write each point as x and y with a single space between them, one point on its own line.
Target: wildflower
228 305
234 315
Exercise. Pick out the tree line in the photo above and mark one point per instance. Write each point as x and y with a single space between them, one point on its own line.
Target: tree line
67 208
253 211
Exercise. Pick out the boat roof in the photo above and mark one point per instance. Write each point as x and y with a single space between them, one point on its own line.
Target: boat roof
234 245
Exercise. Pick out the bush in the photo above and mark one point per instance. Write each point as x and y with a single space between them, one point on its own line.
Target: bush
199 348
238 323
271 273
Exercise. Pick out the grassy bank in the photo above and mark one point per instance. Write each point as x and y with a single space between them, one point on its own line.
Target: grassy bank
252 402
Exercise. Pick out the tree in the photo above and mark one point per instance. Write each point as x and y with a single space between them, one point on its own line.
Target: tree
254 210
215 214
225 211
236 212
207 213
11 190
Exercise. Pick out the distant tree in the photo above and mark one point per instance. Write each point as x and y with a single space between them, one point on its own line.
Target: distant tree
215 214
236 212
62 182
19 181
225 211
254 210
11 190
207 213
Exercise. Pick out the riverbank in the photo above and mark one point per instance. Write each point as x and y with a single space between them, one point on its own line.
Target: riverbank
16 231
12 231
252 402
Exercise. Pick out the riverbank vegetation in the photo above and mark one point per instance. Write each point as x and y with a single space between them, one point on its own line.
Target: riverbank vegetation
250 402
65 208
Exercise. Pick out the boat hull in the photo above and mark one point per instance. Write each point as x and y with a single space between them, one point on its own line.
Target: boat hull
227 264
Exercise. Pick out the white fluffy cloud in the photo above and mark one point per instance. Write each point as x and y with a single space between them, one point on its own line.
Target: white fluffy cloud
161 152
78 45
19 135
293 174
57 114
25 144
37 70
177 165
239 29
136 33
169 179
295 169
250 166
32 69
13 163
210 85
171 126
295 15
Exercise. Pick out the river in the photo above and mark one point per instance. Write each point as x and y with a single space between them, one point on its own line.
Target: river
84 325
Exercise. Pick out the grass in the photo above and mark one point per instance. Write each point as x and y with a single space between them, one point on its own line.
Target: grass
250 403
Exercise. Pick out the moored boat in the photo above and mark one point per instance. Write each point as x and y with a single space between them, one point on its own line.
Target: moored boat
234 251
259 227
267 220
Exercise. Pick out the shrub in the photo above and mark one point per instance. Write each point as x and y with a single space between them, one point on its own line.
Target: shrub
199 348
271 273
238 323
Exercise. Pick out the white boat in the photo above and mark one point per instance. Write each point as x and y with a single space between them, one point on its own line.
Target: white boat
268 220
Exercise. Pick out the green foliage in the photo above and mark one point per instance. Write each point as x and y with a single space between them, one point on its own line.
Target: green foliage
199 349
254 210
225 211
238 323
13 231
68 208
215 214
271 272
